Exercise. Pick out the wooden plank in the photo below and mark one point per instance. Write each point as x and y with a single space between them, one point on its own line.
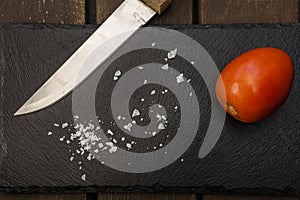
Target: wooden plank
105 8
42 196
248 11
43 11
178 13
246 197
102 196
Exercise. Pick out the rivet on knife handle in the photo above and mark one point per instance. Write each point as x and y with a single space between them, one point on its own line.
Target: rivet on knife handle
158 6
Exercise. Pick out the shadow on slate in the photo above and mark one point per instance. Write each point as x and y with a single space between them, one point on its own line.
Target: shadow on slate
261 158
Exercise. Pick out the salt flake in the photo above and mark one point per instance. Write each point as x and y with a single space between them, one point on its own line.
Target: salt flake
135 113
172 54
83 177
180 78
165 67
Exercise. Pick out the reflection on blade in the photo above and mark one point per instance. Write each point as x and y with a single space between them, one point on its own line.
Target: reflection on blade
130 16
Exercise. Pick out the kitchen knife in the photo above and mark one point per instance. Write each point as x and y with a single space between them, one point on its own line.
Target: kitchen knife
125 21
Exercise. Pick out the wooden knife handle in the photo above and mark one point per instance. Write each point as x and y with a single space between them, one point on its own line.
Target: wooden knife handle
158 6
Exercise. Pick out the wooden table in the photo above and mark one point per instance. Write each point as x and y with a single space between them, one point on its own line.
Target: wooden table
182 12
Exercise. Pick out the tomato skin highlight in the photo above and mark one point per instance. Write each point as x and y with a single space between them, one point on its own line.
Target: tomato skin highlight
255 84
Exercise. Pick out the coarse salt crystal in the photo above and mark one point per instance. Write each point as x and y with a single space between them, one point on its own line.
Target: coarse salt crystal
165 67
83 177
161 126
140 67
119 117
128 145
172 54
110 144
180 78
135 113
55 124
153 92
123 139
110 132
100 145
64 125
153 44
113 149
50 133
145 81
118 73
62 138
128 127
71 158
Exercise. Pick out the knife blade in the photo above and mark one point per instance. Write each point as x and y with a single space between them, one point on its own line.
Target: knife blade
125 21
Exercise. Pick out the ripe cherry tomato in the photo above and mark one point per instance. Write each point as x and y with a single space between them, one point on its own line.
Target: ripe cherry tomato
255 84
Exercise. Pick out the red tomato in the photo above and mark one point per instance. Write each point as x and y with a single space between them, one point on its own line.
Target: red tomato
255 84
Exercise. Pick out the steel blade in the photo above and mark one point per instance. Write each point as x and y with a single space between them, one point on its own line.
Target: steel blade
127 19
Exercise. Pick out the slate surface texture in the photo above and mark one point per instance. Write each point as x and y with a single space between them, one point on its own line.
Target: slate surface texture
261 158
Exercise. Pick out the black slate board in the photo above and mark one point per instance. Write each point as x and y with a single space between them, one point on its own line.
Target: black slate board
258 158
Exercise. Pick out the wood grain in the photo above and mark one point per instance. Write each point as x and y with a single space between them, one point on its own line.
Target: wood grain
178 13
158 5
146 197
248 11
42 196
246 197
43 11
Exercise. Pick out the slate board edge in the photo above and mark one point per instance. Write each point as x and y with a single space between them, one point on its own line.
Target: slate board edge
154 189
179 26
2 70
